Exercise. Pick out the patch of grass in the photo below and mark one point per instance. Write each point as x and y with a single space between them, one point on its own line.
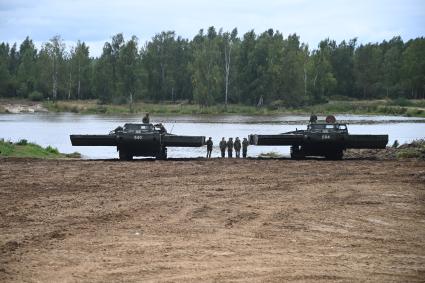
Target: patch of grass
402 107
270 154
408 153
414 108
416 149
6 148
25 149
73 155
182 108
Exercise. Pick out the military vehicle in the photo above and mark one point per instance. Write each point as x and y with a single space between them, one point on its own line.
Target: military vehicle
139 140
328 139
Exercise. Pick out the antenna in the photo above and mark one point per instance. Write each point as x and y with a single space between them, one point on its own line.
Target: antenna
171 131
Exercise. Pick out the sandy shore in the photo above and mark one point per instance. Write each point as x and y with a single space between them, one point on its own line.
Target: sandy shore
218 220
20 106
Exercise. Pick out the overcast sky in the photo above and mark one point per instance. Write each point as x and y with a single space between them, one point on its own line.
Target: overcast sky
95 21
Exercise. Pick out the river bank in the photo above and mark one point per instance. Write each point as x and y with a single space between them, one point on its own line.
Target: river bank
25 149
410 108
264 220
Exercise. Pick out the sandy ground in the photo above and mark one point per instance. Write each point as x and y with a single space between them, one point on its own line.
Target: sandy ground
218 220
20 106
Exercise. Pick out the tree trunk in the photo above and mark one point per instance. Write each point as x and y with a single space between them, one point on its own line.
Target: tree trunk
314 81
54 80
79 81
131 102
305 82
69 85
162 65
227 54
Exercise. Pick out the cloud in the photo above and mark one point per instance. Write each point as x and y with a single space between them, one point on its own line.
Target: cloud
96 21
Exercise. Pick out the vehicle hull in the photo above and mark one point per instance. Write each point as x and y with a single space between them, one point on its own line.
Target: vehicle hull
146 144
328 144
343 141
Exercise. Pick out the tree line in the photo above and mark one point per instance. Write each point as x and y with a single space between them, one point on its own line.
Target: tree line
215 67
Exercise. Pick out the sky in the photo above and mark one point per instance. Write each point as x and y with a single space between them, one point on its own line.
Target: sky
96 21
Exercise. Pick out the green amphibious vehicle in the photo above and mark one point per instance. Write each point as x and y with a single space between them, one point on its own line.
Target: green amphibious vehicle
321 139
139 140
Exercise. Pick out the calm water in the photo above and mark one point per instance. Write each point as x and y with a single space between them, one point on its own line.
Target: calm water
54 129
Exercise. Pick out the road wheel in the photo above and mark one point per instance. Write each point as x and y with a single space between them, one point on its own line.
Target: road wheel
297 153
162 155
336 155
124 155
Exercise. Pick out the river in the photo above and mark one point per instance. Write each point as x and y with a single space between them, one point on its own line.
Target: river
54 129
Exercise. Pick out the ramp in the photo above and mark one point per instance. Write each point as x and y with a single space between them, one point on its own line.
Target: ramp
366 141
183 141
282 139
93 140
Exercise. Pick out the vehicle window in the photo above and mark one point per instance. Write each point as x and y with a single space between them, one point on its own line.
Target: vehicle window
137 127
316 127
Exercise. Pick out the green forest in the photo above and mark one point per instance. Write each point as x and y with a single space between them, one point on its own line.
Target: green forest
215 68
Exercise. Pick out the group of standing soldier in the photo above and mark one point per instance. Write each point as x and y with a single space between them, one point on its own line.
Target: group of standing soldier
230 145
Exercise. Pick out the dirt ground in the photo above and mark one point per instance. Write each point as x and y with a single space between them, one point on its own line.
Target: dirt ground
217 220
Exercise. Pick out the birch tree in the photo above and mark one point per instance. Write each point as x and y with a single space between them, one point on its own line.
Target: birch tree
128 62
229 40
55 49
80 63
206 72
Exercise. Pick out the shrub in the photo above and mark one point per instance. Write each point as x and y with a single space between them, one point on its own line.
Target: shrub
52 150
101 109
401 101
22 142
409 153
120 100
270 154
73 155
74 109
35 96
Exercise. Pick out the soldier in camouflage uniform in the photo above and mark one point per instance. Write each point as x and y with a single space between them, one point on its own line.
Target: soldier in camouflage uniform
244 147
230 148
237 146
209 147
223 146
146 119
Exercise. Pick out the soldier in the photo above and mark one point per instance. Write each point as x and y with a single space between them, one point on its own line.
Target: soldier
209 147
237 146
162 129
244 147
230 148
313 118
146 119
223 147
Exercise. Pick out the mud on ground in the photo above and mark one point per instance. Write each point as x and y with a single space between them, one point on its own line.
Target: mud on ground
218 220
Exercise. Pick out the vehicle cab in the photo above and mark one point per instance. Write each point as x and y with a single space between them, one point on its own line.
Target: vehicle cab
327 128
